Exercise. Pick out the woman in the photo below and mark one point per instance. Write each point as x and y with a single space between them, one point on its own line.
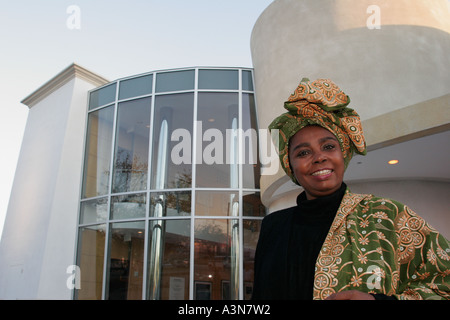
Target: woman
336 244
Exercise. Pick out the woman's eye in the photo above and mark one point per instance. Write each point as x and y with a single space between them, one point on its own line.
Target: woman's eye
329 147
302 153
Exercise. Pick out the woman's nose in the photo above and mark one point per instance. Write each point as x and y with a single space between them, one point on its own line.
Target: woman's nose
319 157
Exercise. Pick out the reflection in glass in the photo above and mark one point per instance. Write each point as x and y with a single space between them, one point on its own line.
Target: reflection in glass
217 148
91 248
168 277
218 79
162 156
175 81
233 227
252 205
247 81
159 208
132 140
250 146
102 96
233 152
251 230
173 203
159 211
156 254
128 206
98 153
126 258
135 87
217 257
172 113
94 211
216 203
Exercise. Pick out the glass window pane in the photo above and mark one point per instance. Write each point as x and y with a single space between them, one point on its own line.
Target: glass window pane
216 259
102 96
172 145
252 205
91 250
217 147
251 168
135 87
126 261
247 81
132 141
175 81
128 206
98 152
94 211
218 79
167 204
169 260
216 203
251 235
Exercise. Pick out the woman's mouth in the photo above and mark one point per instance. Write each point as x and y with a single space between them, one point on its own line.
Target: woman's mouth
322 175
323 172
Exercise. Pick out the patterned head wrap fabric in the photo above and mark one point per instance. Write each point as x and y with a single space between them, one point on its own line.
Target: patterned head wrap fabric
319 102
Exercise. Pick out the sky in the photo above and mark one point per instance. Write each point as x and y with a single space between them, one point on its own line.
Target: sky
114 39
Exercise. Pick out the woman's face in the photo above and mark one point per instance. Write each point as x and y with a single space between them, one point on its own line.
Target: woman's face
316 161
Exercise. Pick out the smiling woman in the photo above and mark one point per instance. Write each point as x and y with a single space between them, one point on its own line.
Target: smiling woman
336 244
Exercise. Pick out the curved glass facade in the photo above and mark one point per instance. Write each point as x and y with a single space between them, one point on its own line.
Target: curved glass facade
170 205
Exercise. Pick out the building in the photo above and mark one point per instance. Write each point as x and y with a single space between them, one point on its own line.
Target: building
151 186
165 209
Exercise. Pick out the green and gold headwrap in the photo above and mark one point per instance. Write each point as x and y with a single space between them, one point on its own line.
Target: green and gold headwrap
319 102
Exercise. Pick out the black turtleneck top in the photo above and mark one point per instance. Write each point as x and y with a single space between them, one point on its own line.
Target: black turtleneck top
289 243
311 222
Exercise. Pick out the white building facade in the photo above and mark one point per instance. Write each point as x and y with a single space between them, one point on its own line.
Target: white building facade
38 239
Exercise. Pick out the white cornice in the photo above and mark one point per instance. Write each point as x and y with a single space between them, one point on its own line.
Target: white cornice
71 72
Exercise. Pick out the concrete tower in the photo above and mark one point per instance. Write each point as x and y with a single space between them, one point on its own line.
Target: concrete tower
393 59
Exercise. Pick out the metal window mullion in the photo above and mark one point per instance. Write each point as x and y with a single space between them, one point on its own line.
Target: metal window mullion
216 217
219 189
168 218
92 198
150 141
147 209
147 95
140 75
165 93
104 106
240 185
194 182
146 239
169 190
111 174
80 187
105 258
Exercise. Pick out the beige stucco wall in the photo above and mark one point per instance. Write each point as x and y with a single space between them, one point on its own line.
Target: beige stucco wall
396 76
404 62
429 199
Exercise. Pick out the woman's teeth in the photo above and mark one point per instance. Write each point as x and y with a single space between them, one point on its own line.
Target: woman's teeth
321 172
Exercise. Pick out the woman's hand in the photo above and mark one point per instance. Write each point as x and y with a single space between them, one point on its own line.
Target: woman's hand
350 295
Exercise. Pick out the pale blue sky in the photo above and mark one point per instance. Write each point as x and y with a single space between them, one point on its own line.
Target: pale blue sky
116 39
